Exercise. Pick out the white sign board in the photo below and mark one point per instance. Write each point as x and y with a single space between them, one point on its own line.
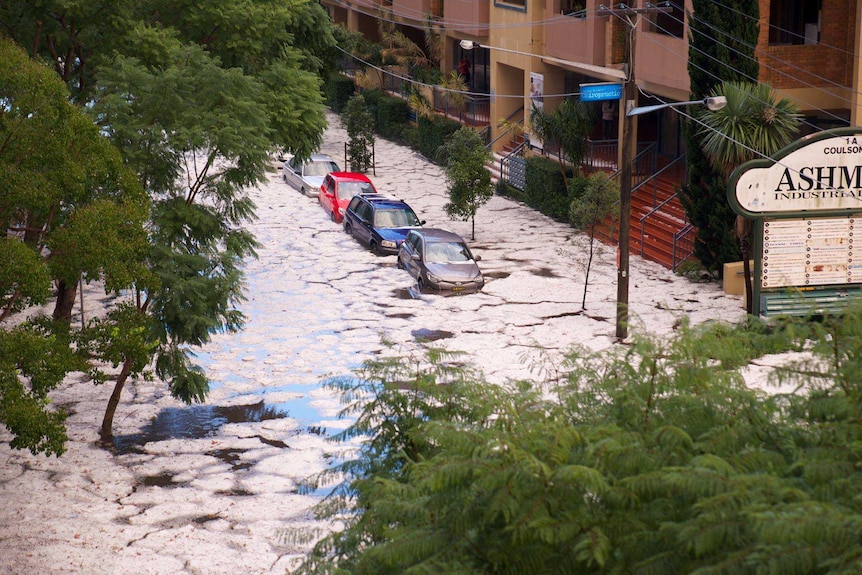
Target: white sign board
823 176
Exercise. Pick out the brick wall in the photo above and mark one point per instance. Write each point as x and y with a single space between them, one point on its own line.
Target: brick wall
824 64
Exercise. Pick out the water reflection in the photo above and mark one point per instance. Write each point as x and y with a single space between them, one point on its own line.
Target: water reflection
195 422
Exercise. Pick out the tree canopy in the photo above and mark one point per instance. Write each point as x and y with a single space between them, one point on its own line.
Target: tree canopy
70 209
722 40
194 98
651 458
470 185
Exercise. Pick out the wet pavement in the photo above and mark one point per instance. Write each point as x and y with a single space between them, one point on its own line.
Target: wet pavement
215 488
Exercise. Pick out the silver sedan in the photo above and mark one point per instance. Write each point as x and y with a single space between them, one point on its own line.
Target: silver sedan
440 260
307 176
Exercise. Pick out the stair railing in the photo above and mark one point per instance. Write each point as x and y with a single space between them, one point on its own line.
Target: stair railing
683 245
658 208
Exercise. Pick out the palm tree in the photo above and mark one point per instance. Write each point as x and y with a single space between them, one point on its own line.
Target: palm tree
565 128
753 124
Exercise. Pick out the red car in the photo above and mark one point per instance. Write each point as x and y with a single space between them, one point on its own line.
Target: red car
338 189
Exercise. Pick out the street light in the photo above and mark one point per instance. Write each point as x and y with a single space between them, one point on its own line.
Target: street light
599 71
713 103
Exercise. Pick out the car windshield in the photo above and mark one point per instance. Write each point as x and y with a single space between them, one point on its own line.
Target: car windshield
447 252
395 218
320 168
347 190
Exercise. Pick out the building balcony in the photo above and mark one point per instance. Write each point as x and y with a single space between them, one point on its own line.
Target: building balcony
417 10
575 39
471 17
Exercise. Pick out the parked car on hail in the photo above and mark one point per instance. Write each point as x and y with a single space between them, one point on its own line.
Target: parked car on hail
338 188
440 260
307 175
380 222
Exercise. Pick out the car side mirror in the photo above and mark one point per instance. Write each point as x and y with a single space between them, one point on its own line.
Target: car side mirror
421 222
477 258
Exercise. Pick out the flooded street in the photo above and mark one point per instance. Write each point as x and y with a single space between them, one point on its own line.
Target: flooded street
211 489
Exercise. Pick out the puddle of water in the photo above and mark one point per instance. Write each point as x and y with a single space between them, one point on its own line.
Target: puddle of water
545 273
161 480
195 422
199 421
497 275
231 457
426 335
407 293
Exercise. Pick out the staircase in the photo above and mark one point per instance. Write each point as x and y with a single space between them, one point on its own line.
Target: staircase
494 165
657 216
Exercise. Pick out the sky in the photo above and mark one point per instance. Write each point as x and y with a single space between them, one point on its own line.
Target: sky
211 489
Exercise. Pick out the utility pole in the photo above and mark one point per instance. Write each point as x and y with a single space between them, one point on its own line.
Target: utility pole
630 16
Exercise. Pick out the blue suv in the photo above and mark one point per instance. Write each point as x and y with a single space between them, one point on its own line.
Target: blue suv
379 222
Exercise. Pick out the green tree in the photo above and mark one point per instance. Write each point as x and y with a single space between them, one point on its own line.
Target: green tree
588 212
360 134
197 136
565 129
70 211
654 458
722 40
195 96
470 185
754 123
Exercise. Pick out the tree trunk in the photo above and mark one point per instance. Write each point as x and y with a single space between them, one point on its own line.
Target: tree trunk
65 301
473 231
107 433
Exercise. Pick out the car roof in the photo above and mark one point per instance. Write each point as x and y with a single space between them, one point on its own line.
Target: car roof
381 201
438 235
350 177
321 158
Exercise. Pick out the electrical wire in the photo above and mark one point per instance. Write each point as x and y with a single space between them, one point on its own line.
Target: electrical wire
437 87
810 106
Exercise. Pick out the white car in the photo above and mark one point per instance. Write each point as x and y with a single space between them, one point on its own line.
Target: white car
307 176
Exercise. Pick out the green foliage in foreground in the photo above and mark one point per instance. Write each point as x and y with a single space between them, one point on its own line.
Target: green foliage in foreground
649 459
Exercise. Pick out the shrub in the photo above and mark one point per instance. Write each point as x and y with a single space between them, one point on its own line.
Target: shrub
433 133
545 189
391 114
339 89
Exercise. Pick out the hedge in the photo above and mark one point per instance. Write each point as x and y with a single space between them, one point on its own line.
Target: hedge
545 189
339 89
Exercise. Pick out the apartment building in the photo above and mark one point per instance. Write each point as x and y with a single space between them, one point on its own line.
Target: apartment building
537 52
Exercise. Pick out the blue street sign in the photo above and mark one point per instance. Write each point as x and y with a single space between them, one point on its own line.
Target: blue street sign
601 91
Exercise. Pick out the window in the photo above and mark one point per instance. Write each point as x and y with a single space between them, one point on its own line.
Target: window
670 23
573 8
794 21
516 4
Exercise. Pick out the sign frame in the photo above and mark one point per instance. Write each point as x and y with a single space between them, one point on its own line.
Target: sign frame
818 180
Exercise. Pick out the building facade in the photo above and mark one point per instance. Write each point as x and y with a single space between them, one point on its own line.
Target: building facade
538 52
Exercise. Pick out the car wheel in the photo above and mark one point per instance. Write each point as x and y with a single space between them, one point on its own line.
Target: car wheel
302 191
332 217
376 249
347 229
